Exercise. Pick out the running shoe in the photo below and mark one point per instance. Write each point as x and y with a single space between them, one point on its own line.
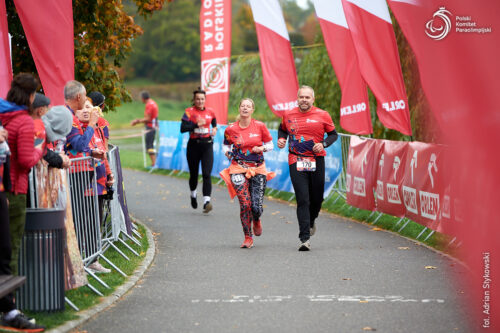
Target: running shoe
98 268
248 243
305 246
20 323
312 231
194 203
207 207
257 228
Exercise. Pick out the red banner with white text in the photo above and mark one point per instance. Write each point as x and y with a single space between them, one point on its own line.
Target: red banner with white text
360 180
5 62
215 38
276 57
373 36
48 26
354 107
390 173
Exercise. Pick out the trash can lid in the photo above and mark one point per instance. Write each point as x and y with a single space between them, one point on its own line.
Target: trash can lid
44 218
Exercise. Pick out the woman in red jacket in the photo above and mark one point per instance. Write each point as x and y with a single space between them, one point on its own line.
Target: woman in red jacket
15 117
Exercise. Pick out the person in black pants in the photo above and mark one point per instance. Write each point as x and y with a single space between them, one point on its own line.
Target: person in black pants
306 126
197 120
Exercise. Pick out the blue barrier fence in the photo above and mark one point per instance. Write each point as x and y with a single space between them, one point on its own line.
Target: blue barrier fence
172 156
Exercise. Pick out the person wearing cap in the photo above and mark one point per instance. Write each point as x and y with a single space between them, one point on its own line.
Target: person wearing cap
151 121
59 123
97 100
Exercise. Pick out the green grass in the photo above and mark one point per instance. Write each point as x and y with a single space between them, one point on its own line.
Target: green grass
85 298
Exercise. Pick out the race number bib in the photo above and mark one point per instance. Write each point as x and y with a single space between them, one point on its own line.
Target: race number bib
306 163
201 130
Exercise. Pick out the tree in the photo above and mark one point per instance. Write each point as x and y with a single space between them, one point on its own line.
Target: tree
103 32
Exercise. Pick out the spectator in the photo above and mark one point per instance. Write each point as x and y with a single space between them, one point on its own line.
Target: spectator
151 121
97 100
15 116
58 124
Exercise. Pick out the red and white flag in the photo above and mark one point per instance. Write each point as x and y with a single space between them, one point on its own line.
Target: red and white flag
371 30
215 38
5 62
276 57
48 26
354 107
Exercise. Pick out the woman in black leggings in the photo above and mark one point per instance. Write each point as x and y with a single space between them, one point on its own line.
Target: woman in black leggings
197 120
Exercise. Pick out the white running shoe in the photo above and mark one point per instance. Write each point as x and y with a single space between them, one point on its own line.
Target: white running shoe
305 246
98 268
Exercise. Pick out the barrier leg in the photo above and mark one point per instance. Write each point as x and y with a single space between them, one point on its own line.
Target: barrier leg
132 239
291 198
128 247
144 148
117 250
397 223
91 287
377 218
171 172
404 226
421 232
113 265
96 278
271 191
429 235
71 304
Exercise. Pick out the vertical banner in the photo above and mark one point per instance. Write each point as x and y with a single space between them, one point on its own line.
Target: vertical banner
215 38
5 61
276 57
360 180
371 30
48 26
354 107
391 162
423 184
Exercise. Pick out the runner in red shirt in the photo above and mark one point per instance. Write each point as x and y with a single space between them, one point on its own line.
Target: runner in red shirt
197 121
306 126
245 141
150 120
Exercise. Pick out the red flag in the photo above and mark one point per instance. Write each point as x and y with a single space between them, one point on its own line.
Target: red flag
49 29
5 62
375 44
354 108
215 37
276 57
457 47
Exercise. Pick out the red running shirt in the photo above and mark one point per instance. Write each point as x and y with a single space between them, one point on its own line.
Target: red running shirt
151 110
304 130
244 139
192 114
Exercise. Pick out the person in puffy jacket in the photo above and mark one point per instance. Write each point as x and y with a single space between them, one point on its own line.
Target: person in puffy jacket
15 117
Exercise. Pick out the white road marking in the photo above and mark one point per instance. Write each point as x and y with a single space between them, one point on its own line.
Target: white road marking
320 298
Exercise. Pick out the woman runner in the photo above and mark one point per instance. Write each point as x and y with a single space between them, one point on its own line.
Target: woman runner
245 141
197 120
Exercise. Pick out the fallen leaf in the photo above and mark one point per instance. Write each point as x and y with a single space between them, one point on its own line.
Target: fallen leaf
276 212
376 229
288 222
430 267
403 248
368 328
346 279
150 220
363 301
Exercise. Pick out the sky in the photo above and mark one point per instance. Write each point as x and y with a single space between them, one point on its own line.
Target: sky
302 3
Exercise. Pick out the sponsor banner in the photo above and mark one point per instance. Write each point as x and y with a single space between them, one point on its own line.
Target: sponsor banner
373 36
360 173
215 39
276 57
354 107
5 57
120 192
49 30
390 164
172 156
423 184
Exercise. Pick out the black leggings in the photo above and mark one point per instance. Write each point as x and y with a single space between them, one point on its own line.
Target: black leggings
309 187
204 152
7 302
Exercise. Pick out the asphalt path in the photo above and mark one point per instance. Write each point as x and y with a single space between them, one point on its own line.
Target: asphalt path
354 279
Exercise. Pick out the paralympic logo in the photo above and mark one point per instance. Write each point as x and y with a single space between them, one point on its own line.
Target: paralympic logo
440 25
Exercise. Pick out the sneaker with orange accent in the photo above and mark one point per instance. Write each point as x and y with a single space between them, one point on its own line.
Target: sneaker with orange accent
257 228
19 323
248 243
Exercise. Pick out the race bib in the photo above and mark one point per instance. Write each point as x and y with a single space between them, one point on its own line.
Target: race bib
306 163
201 130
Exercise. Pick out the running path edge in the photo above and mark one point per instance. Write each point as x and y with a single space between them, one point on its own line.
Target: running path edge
106 302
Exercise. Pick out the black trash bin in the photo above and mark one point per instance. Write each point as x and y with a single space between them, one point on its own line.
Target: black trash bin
41 260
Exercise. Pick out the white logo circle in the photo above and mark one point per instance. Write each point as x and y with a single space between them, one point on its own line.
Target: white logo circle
440 24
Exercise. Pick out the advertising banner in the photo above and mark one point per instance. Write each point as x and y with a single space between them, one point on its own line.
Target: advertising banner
360 178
